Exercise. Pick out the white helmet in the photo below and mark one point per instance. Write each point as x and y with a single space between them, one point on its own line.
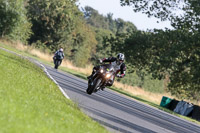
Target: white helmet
120 57
61 50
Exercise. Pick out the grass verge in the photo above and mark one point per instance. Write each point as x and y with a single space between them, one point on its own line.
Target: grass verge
31 102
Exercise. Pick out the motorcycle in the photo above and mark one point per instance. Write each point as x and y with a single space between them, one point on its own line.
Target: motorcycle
57 62
101 78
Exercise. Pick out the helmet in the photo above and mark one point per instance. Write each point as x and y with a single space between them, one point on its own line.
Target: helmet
120 57
61 49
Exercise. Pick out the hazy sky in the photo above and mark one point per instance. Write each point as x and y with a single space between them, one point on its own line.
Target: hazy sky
141 21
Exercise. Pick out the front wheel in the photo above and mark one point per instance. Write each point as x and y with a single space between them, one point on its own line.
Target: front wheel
94 86
57 63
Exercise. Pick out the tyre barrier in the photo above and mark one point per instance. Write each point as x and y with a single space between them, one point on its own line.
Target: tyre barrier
196 113
181 107
172 104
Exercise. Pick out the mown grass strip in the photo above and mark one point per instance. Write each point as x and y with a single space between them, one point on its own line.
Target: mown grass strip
31 102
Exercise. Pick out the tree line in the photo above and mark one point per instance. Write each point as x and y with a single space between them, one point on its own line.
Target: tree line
172 54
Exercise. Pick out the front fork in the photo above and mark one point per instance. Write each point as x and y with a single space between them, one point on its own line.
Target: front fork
90 81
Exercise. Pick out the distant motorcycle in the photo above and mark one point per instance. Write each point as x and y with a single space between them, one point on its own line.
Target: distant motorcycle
57 62
101 78
58 57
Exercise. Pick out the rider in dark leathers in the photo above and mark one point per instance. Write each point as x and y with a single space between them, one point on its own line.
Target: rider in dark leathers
117 62
59 55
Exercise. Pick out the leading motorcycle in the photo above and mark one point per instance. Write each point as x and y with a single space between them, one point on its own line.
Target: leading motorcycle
101 78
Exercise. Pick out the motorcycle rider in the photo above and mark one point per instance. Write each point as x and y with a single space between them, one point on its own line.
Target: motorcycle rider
59 55
117 62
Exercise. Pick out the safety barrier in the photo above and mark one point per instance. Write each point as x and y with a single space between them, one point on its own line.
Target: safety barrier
181 107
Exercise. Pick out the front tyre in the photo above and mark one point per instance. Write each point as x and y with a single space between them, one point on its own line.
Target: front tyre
57 63
89 90
92 88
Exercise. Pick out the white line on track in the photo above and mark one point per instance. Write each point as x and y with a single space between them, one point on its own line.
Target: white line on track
45 70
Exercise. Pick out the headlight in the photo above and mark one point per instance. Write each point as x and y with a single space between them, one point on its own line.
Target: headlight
108 75
101 70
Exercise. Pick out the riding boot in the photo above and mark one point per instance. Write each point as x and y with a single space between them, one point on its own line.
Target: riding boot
102 88
89 77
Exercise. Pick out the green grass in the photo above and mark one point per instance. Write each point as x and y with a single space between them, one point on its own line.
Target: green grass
32 103
83 76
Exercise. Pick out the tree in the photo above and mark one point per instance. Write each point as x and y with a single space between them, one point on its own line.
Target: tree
53 21
103 49
166 10
83 44
173 53
162 9
112 23
13 21
94 19
124 27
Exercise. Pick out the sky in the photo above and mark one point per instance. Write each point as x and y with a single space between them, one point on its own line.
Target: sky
141 21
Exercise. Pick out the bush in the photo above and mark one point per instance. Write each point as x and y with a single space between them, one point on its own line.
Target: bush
144 81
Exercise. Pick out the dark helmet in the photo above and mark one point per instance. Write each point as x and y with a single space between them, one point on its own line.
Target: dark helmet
120 57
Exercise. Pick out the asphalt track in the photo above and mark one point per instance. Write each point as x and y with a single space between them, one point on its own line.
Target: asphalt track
119 113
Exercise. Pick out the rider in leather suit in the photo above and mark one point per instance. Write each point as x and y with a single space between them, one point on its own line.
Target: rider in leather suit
117 62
